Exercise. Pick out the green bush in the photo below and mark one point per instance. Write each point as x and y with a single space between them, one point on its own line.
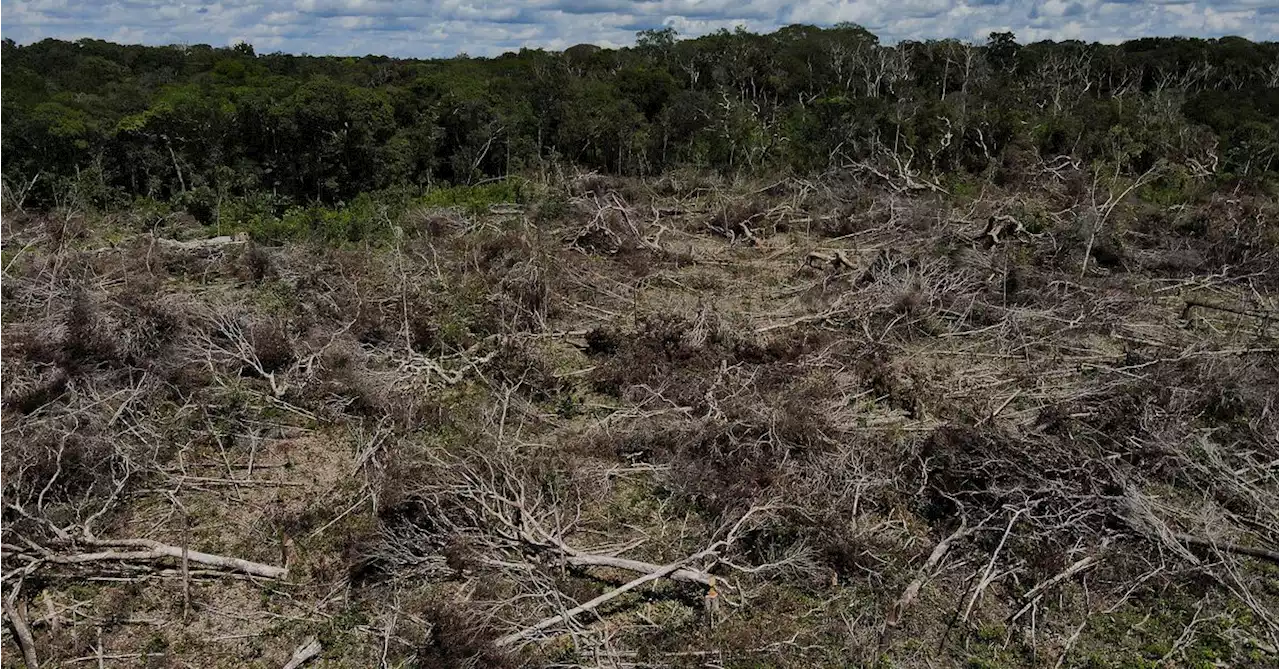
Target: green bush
365 219
478 198
201 203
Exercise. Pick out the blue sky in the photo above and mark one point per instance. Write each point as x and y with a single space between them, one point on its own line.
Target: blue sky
427 28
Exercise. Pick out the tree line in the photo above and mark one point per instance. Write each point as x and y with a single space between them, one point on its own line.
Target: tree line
199 125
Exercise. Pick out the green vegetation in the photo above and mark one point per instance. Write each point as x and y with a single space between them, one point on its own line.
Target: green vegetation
206 129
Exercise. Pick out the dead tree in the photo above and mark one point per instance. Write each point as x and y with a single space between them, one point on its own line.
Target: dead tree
489 502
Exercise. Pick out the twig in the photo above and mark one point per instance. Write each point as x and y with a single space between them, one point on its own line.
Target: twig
993 414
339 517
986 576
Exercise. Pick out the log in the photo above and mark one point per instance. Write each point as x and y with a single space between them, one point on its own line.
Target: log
210 243
837 259
683 574
154 550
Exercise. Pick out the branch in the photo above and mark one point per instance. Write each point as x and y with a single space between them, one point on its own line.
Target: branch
309 649
579 559
155 550
675 567
1192 303
913 589
1260 553
22 633
1033 595
587 606
986 575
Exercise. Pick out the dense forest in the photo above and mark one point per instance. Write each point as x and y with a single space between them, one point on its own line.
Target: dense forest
198 126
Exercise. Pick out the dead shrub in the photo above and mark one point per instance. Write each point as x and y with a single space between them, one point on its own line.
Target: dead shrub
28 393
959 464
431 222
524 299
494 254
603 233
87 341
1109 252
1238 233
669 351
150 325
595 184
749 426
271 344
460 640
257 263
347 386
1174 262
521 365
53 470
64 227
685 183
601 341
678 354
888 382
739 218
852 211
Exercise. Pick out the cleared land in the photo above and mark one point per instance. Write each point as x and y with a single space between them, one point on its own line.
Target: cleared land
682 422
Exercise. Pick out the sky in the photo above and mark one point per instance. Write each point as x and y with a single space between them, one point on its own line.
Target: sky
436 28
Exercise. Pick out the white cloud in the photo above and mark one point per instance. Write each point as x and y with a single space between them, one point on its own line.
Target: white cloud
424 28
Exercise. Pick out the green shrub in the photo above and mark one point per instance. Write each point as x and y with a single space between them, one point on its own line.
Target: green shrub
478 198
1173 187
201 203
366 219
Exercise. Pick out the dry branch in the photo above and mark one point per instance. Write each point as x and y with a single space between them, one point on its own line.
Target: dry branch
908 596
1260 553
22 633
580 559
1033 595
154 550
304 653
589 605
